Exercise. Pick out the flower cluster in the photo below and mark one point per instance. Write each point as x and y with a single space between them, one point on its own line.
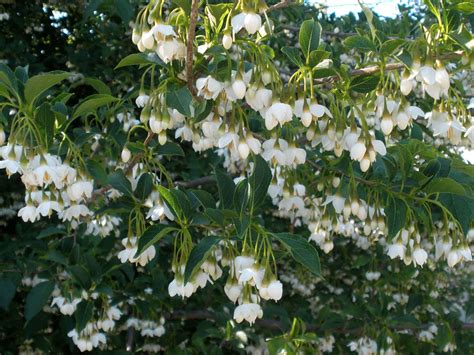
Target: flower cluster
51 185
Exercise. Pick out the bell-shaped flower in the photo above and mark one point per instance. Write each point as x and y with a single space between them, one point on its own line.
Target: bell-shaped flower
209 88
278 113
419 256
248 20
272 290
258 98
249 312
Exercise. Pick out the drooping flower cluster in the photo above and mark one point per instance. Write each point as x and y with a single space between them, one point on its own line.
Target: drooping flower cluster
51 185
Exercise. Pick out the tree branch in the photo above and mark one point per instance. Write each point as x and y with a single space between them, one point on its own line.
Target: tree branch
274 324
375 69
190 47
197 182
280 5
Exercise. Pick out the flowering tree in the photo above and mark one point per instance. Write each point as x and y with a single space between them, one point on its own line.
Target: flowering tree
187 202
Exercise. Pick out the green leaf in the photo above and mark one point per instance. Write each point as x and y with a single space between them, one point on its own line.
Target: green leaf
46 119
444 184
183 4
396 213
92 103
301 250
226 187
97 171
83 314
144 186
38 84
361 43
51 231
140 59
260 181
364 83
180 100
370 19
317 56
124 10
198 255
293 54
216 14
388 47
170 149
118 181
241 196
98 85
309 37
152 236
8 290
203 198
81 276
461 207
37 298
466 7
177 201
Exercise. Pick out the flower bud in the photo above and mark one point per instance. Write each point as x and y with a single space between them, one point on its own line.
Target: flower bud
239 88
227 40
162 138
148 40
386 125
2 136
126 155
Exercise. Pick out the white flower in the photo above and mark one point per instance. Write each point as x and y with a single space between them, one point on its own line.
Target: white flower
161 31
273 151
396 250
248 20
74 212
125 155
444 125
337 201
310 111
66 308
295 156
171 49
176 287
28 213
209 88
131 247
242 262
142 100
252 275
454 257
227 41
419 256
271 291
47 207
80 190
372 275
239 88
278 113
130 250
258 98
233 290
249 312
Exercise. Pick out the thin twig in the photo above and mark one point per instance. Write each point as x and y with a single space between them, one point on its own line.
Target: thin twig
376 69
282 4
197 182
137 157
190 47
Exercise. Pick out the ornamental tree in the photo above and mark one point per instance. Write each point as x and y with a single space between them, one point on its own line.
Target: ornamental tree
254 176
